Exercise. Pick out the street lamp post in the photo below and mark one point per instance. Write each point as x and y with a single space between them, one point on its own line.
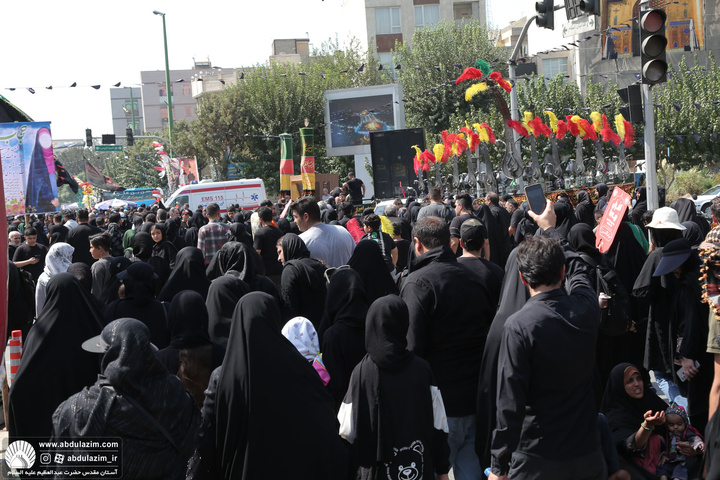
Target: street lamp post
168 90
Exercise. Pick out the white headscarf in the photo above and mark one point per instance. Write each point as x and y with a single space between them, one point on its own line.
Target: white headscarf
58 258
302 334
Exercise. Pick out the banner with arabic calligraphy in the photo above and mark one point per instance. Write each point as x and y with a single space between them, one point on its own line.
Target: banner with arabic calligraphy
28 168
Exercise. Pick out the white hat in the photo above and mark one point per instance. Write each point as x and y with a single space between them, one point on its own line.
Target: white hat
665 217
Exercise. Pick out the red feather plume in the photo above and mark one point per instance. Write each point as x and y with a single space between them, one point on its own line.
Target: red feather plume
497 76
572 126
491 134
629 134
608 134
469 73
518 127
562 130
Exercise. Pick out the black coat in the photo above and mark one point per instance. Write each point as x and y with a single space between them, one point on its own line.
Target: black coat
450 315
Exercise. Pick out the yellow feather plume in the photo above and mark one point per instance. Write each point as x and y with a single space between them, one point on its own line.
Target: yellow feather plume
597 121
438 150
474 90
418 152
482 132
553 120
528 117
620 125
575 119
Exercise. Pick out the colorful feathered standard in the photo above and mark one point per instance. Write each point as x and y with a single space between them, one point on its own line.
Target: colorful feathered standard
608 134
474 90
562 129
586 130
539 128
485 132
620 124
455 143
597 121
572 126
498 78
473 139
422 159
469 73
527 117
553 120
441 153
517 126
629 134
483 66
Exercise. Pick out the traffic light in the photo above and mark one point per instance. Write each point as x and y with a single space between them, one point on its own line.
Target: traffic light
129 137
545 14
652 46
88 137
108 139
590 7
632 96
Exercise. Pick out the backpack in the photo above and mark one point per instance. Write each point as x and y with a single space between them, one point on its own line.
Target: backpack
614 320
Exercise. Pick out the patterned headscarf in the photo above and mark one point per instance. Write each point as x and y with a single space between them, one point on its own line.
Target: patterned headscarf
676 409
58 258
302 335
709 252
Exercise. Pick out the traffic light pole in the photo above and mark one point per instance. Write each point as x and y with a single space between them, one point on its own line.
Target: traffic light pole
650 160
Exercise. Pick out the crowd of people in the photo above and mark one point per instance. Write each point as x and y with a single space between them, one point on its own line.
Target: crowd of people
314 339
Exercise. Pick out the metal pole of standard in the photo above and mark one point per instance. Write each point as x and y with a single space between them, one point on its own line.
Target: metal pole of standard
168 89
650 160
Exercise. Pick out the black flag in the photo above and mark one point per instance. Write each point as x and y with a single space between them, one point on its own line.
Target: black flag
97 179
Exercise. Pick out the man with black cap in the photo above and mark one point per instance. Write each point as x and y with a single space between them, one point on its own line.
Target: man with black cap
473 236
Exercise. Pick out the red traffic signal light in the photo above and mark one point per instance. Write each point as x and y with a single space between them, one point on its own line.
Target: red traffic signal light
652 46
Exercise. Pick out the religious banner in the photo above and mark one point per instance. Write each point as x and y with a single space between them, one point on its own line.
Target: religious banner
28 168
188 171
614 213
286 163
307 160
95 177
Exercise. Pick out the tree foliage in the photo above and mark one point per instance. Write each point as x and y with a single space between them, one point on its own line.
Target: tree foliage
689 136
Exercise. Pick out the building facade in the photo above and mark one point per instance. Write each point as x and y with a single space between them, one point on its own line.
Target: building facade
381 23
125 105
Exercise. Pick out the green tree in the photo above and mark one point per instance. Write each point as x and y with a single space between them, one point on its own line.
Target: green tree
688 136
431 64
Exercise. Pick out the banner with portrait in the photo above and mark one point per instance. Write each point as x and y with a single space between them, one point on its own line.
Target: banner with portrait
28 167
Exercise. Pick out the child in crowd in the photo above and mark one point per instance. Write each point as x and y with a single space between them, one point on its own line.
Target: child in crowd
673 463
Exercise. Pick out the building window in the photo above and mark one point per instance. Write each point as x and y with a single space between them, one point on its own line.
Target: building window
426 16
188 112
552 67
387 20
462 12
186 89
131 108
162 91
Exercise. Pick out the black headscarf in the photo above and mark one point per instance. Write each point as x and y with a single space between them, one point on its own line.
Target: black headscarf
238 232
81 271
110 291
624 414
585 209
693 233
343 329
602 191
284 225
139 303
564 217
224 294
133 386
294 247
639 208
54 365
390 391
582 239
189 274
252 398
188 324
234 256
143 246
367 259
687 212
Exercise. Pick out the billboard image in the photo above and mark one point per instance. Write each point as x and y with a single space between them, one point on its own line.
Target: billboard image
683 29
352 114
28 168
188 171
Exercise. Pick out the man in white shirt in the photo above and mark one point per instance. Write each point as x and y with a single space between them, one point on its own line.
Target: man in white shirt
332 244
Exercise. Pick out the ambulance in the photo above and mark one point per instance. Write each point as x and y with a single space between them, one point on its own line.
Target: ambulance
248 193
